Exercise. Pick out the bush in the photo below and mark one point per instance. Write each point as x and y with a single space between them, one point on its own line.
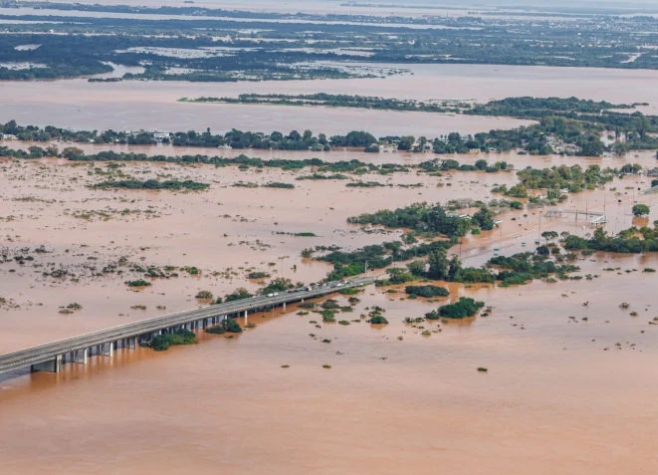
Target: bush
543 251
279 284
433 315
328 316
465 307
378 320
204 295
180 337
330 304
239 294
226 326
137 283
427 291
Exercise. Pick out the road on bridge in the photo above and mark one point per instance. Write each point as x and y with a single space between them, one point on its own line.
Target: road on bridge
51 351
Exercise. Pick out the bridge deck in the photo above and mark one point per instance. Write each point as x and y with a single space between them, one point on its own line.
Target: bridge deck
553 212
44 353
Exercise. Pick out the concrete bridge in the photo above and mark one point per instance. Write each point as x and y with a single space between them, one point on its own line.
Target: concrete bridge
51 356
598 216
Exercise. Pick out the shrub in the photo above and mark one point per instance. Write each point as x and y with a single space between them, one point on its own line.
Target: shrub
137 283
279 284
641 210
465 307
180 337
204 295
238 294
433 315
427 291
330 304
328 316
227 326
378 320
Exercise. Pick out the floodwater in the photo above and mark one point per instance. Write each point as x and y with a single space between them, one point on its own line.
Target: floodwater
570 386
559 397
226 232
134 105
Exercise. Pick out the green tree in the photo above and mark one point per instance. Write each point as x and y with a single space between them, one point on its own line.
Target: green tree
484 218
416 268
406 143
454 269
438 265
641 210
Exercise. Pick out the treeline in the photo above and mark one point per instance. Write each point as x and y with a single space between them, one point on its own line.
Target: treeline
568 126
532 107
338 100
348 264
153 185
518 269
33 133
432 219
630 241
357 167
559 178
574 124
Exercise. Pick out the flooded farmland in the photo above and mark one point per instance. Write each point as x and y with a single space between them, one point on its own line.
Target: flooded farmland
569 374
222 401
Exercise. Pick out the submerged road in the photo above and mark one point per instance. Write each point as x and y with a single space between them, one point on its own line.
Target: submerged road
49 357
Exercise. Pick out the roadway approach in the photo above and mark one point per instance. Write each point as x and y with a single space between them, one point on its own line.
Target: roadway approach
51 356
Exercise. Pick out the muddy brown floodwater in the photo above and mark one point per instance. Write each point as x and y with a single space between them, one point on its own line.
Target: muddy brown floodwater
153 105
570 388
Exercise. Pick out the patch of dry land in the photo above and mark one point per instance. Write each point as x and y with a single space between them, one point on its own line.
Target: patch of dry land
556 376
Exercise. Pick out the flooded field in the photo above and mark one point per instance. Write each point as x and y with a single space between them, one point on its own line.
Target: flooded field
224 232
570 384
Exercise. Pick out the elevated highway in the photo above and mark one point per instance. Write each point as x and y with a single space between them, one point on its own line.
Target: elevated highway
51 356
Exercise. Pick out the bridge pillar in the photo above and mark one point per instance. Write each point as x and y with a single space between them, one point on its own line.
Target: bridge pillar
81 356
245 317
107 349
52 366
284 305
